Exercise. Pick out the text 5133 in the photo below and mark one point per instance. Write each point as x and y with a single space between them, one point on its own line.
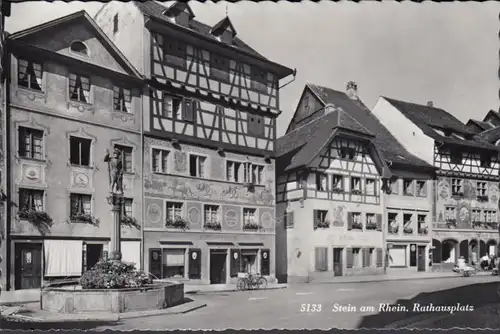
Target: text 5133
310 307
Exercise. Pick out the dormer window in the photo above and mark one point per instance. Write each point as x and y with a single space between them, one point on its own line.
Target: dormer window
180 13
80 48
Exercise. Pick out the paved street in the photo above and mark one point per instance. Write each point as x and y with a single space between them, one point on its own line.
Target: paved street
282 308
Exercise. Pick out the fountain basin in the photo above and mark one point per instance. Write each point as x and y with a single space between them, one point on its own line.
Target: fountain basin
74 299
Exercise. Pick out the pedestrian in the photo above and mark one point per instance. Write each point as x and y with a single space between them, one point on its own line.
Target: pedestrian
485 262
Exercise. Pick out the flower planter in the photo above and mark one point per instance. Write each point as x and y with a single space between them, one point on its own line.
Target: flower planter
356 192
423 231
451 223
40 219
324 224
213 226
357 226
482 198
337 190
408 231
85 219
178 222
130 222
393 230
371 226
252 226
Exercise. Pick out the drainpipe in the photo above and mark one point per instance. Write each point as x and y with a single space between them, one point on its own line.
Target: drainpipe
142 177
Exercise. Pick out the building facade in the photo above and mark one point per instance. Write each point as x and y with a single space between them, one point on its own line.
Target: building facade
384 227
209 133
71 96
465 192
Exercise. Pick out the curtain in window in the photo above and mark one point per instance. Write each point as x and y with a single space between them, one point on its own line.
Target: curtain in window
173 257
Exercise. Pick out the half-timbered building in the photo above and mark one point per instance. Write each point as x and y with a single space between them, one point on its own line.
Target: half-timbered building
209 139
465 192
394 230
71 96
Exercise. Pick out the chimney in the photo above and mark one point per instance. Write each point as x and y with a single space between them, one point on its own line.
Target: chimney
430 104
352 90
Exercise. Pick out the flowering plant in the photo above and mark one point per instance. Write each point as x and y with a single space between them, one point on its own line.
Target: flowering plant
108 274
40 219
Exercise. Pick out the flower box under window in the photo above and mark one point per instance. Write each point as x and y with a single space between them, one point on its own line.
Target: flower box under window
355 192
323 224
423 230
482 198
492 225
451 222
357 226
338 190
177 222
408 230
393 229
477 224
216 226
458 195
371 226
251 226
84 218
130 222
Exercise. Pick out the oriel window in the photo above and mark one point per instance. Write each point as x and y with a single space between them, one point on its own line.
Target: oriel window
79 88
29 74
122 99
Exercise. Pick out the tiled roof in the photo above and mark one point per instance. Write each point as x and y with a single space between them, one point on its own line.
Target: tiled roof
155 10
428 118
385 142
308 140
482 125
491 135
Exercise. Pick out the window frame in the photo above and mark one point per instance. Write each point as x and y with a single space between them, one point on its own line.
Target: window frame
176 109
78 87
219 68
29 72
200 161
125 201
176 207
255 216
123 148
234 167
85 53
374 183
30 193
163 160
217 213
120 99
81 139
81 197
21 132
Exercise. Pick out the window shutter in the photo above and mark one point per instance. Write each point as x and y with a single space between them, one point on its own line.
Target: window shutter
378 219
349 258
436 252
315 221
235 262
195 263
188 110
365 257
379 258
289 220
265 262
349 221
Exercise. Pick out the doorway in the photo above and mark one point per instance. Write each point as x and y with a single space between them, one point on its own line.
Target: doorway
337 261
94 254
218 266
421 258
28 266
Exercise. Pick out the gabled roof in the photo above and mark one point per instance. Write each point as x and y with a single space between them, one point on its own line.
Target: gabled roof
103 38
385 142
428 118
491 135
480 124
301 146
222 25
155 10
492 113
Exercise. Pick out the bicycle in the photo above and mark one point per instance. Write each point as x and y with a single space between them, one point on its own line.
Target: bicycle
250 281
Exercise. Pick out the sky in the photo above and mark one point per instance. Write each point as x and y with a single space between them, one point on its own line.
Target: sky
447 53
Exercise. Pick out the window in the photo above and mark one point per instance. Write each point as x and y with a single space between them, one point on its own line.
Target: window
485 161
29 74
219 68
355 257
408 187
366 257
456 157
128 204
174 209
174 263
30 200
392 217
253 173
126 155
256 126
249 216
394 184
115 24
174 52
421 221
159 164
407 218
491 216
79 47
476 215
355 184
80 204
337 184
79 88
30 143
196 165
357 224
211 214
320 216
457 187
481 188
189 110
259 79
321 181
233 169
122 99
421 189
79 151
347 153
370 187
172 107
450 213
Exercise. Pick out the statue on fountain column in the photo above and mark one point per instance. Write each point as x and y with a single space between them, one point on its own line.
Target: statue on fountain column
115 170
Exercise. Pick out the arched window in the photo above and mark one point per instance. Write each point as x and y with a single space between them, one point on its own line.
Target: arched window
79 47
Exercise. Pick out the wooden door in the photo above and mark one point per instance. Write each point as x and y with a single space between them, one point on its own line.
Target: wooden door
28 266
421 258
337 262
